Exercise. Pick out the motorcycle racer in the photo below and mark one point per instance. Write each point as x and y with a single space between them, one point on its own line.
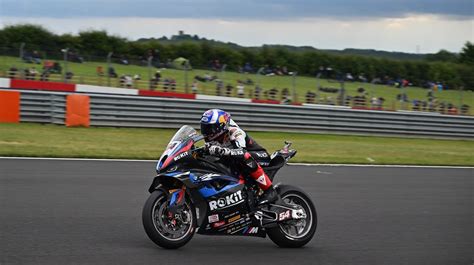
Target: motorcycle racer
225 139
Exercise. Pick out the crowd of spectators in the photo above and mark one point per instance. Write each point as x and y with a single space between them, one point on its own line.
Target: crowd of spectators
247 87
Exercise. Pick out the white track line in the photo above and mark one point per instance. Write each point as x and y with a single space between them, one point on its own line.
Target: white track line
364 165
291 164
75 159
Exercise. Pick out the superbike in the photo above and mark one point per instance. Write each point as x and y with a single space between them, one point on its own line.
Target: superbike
195 193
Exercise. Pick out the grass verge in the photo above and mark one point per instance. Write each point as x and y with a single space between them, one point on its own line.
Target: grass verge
37 140
85 73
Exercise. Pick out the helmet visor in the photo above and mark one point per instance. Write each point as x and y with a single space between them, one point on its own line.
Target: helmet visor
210 131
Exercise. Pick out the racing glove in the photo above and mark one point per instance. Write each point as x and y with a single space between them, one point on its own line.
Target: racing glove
223 151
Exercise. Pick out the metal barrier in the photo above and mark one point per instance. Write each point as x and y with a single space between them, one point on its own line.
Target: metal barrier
150 112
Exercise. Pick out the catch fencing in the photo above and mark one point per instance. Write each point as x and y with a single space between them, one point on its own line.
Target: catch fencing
154 112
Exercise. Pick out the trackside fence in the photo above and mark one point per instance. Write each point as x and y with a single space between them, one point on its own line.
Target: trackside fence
155 112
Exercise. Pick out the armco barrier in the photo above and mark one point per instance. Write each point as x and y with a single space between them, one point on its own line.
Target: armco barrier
142 111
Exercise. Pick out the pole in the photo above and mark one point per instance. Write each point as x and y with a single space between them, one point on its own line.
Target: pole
223 72
150 59
258 75
318 85
342 92
186 84
404 97
65 51
293 83
109 65
372 84
22 46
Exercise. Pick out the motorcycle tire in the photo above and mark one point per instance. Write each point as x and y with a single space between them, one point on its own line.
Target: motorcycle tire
149 219
278 234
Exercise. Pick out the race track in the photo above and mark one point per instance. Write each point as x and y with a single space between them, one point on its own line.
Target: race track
89 212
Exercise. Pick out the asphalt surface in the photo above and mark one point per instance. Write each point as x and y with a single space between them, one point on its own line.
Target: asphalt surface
89 212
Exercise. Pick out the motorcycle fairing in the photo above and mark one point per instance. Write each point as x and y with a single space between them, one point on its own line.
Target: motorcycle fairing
228 214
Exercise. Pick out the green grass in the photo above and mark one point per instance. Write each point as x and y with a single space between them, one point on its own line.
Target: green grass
86 73
28 139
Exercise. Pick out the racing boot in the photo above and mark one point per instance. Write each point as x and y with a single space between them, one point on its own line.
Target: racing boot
270 195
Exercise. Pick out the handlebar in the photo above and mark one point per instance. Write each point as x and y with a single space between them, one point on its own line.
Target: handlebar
200 150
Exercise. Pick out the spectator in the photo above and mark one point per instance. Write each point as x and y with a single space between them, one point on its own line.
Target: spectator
416 105
128 81
271 94
172 84
207 77
247 68
452 110
124 60
228 90
216 66
45 75
137 77
219 87
194 87
155 81
240 90
166 83
99 71
48 65
57 69
285 93
36 57
440 87
111 72
464 109
374 102
310 97
13 72
347 101
69 75
258 92
158 75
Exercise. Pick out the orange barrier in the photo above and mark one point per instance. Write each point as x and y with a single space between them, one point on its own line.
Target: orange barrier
77 110
10 106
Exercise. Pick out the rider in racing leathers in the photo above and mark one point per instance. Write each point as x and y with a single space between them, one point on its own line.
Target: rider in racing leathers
225 139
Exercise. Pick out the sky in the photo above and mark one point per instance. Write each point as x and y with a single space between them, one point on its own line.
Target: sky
424 26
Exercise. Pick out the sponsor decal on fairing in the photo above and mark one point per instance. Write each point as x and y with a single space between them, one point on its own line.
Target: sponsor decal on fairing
233 219
178 157
284 215
213 218
227 201
218 224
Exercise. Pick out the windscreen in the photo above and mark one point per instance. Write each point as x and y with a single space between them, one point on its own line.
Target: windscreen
184 133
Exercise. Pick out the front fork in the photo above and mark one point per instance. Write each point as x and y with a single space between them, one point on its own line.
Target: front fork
177 199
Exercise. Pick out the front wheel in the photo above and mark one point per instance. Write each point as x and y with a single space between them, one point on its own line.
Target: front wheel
295 233
165 229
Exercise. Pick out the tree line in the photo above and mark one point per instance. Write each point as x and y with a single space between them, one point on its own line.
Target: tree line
453 70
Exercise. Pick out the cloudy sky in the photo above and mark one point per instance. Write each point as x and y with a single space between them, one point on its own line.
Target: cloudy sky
396 25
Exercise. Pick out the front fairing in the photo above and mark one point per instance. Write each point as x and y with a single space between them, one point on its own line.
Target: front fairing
178 148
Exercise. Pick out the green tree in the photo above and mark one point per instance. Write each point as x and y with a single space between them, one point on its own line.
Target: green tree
35 38
99 43
467 54
442 56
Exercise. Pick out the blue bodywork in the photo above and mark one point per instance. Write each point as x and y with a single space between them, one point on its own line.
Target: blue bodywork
207 190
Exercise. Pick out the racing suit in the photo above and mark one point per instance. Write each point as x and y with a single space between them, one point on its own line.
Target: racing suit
245 153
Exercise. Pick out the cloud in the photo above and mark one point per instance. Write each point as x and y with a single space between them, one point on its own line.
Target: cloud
237 9
431 33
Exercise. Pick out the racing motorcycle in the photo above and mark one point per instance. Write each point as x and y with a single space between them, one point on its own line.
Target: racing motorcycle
195 192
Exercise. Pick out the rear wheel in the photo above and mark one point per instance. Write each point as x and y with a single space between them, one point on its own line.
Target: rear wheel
165 229
295 233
